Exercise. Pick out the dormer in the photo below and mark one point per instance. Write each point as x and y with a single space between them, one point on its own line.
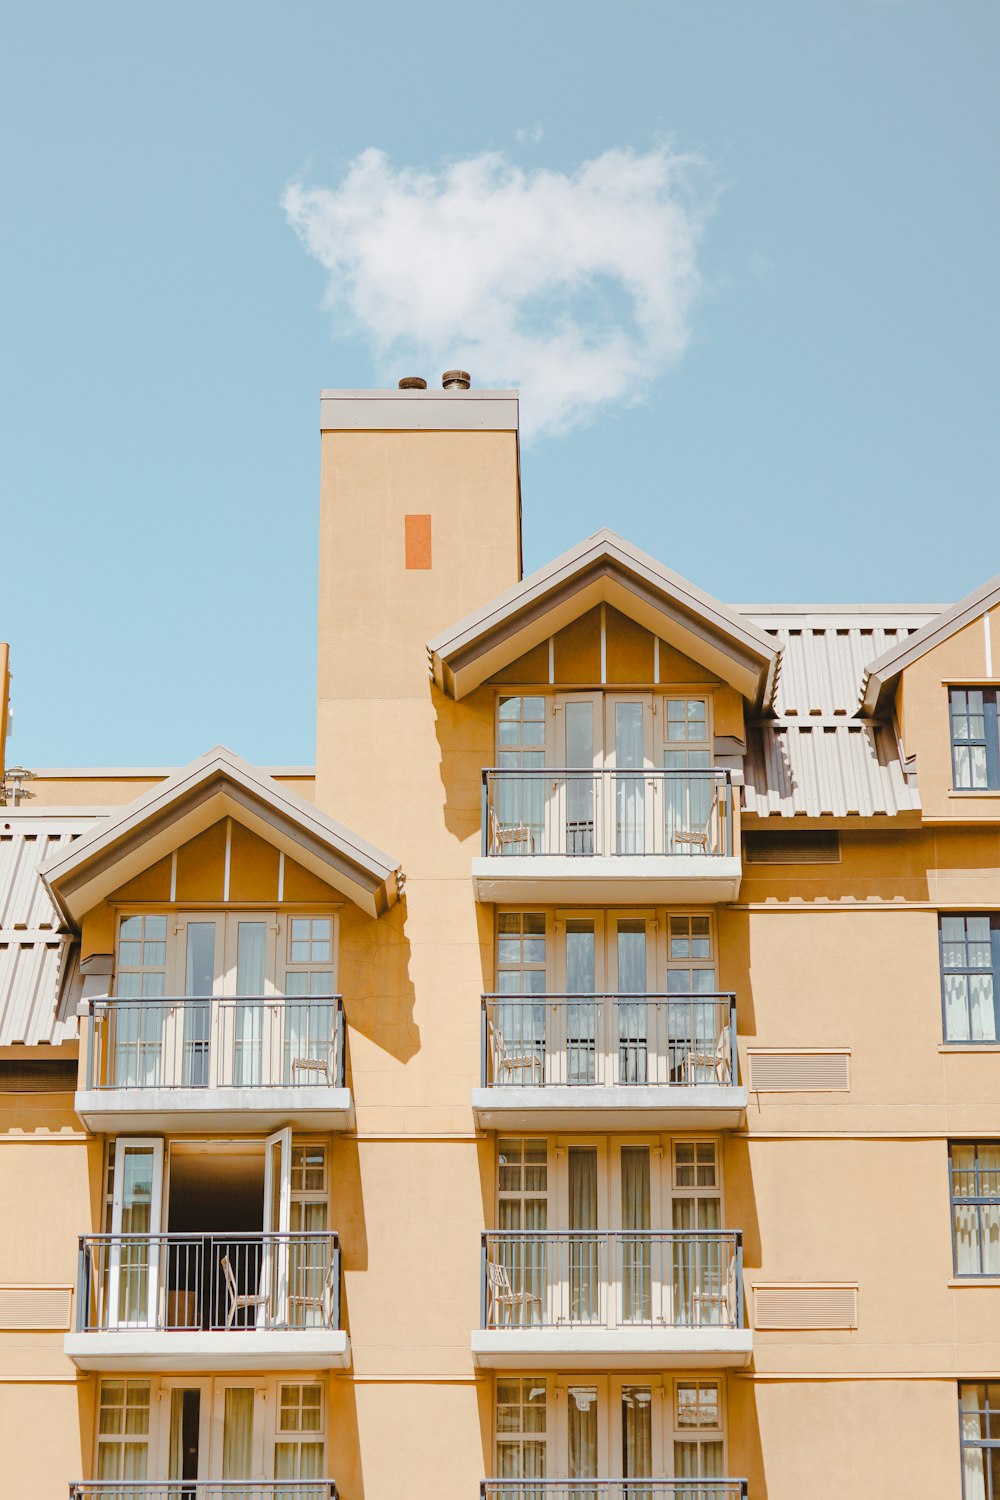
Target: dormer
619 694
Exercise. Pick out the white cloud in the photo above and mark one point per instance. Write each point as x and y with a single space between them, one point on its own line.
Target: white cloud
577 286
530 135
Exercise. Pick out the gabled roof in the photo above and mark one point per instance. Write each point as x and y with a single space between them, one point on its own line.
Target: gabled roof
217 785
604 569
880 679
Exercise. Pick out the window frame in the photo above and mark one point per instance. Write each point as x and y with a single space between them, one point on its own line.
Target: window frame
990 740
983 1444
994 971
975 1200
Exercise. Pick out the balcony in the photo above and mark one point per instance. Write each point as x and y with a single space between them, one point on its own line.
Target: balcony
609 835
208 1302
610 1489
205 1489
612 1300
586 1062
252 1062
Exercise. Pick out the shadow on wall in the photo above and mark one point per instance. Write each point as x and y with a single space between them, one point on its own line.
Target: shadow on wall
465 739
375 982
745 1446
345 1448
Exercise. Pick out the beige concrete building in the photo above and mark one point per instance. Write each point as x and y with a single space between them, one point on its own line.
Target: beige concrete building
582 1084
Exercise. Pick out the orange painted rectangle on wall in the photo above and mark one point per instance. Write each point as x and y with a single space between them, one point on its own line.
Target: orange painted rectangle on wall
418 541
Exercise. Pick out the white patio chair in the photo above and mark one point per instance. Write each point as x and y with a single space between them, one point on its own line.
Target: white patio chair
503 1297
237 1300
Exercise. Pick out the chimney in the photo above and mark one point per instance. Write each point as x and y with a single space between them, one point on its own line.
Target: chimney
456 380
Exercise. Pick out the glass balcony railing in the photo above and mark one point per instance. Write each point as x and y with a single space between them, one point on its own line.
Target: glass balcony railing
612 1279
613 1489
621 1041
248 1042
203 1489
176 1283
583 814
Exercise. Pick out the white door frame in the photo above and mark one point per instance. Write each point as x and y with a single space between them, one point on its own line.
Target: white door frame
122 1145
274 1265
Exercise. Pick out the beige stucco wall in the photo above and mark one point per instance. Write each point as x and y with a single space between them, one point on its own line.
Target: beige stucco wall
847 1187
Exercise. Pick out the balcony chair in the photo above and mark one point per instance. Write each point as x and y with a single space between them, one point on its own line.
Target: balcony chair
699 1058
322 1066
322 1301
235 1299
722 1296
502 834
506 1061
502 1295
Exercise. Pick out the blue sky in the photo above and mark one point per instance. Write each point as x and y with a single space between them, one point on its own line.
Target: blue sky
823 427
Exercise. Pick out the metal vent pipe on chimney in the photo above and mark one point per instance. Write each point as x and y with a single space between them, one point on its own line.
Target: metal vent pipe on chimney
413 383
456 380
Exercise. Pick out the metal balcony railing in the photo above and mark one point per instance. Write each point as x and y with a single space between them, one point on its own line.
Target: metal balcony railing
249 1042
622 1041
613 1489
170 1283
542 810
612 1279
203 1489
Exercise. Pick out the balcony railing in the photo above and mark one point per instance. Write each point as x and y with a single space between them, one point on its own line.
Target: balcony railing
613 1489
175 1283
612 1279
204 1489
622 1041
249 1042
542 811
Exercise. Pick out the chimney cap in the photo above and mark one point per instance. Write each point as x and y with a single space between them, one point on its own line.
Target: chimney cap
413 383
456 380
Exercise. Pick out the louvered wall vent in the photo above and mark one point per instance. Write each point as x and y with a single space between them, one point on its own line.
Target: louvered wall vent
34 1307
806 1072
806 1306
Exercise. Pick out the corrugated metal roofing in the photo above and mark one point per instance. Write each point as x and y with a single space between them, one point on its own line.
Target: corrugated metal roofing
814 759
825 769
39 963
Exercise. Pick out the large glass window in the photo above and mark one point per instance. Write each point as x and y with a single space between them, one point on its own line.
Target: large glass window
702 1274
521 1427
299 1441
517 814
688 800
970 961
310 1025
123 1429
975 1207
698 1444
979 1427
975 753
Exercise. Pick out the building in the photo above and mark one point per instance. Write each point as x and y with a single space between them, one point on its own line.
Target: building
582 1082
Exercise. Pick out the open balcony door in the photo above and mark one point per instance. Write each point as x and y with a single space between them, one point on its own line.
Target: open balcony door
134 1263
277 1222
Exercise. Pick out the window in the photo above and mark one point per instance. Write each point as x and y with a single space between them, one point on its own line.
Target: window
975 1207
310 956
698 1450
142 956
519 801
970 960
521 952
298 1442
686 734
975 751
521 1427
690 957
123 1429
979 1429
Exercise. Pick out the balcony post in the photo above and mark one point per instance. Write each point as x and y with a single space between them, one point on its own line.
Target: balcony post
336 1283
734 1072
484 814
341 1049
82 1290
739 1278
484 1045
729 815
482 1283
